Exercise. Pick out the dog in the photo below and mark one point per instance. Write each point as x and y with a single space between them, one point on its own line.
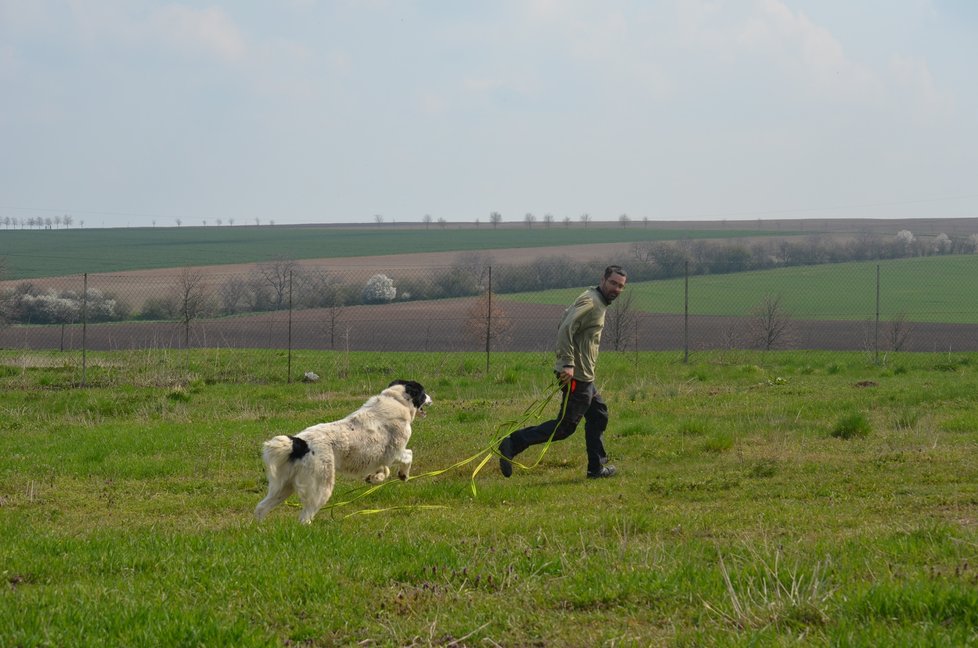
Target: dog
367 443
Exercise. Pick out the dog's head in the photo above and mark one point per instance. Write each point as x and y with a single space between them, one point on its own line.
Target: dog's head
415 393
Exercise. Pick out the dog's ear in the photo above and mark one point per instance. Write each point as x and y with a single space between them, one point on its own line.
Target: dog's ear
414 390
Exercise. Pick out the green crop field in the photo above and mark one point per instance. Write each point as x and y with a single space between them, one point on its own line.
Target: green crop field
51 253
926 289
763 499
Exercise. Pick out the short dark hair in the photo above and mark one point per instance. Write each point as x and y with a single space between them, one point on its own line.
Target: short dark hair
614 269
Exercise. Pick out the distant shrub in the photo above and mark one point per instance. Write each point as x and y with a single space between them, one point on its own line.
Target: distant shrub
379 290
29 304
156 308
943 244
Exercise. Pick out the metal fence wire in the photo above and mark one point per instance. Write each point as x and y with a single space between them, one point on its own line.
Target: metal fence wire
474 307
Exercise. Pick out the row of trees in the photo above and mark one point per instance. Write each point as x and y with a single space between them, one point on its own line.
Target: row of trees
285 284
663 259
39 222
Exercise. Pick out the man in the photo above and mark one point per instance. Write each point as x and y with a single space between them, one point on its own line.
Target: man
578 339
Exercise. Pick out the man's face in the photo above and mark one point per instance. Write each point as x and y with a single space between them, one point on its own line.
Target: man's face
612 285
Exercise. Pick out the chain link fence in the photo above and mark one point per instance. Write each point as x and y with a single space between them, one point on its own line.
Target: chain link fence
476 305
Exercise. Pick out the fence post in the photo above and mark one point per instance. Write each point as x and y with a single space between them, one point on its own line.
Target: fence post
289 378
488 319
876 343
84 315
686 312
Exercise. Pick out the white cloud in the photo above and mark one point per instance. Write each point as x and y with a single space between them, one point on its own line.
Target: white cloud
809 51
914 80
209 30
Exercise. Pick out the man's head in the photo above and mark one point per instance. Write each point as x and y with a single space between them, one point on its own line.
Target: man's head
613 282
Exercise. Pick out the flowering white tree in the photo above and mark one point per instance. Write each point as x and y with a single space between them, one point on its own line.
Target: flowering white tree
942 243
379 290
28 304
973 240
903 242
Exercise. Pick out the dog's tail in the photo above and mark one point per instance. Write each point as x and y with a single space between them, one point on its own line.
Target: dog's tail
282 450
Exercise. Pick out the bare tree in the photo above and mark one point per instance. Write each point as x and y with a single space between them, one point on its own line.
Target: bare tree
624 220
276 276
661 257
191 299
585 218
471 272
4 296
548 220
486 323
495 218
529 219
621 321
769 323
331 296
427 221
331 322
232 294
899 331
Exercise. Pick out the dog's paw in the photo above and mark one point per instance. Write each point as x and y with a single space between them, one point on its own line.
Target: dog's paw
379 476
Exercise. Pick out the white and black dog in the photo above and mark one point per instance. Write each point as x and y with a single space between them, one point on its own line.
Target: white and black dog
367 443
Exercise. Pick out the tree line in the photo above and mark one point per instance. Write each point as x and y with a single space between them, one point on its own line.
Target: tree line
287 284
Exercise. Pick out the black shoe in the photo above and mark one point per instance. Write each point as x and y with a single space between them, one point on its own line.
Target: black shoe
606 471
506 453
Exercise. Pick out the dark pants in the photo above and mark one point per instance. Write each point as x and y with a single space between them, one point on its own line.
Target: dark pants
582 400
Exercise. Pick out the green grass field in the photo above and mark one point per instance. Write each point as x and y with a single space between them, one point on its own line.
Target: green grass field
763 499
52 253
925 289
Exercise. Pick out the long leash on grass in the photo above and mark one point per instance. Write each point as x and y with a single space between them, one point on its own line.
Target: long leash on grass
484 455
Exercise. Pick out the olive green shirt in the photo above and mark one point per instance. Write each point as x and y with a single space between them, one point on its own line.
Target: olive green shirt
579 334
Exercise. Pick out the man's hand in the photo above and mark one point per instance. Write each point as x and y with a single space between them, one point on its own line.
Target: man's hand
566 375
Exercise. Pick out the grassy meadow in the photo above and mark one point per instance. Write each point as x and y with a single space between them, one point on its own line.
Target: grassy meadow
924 289
801 498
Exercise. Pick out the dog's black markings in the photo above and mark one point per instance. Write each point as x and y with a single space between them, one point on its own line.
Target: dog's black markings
299 449
414 389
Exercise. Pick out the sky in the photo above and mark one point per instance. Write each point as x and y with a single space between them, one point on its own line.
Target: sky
138 113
